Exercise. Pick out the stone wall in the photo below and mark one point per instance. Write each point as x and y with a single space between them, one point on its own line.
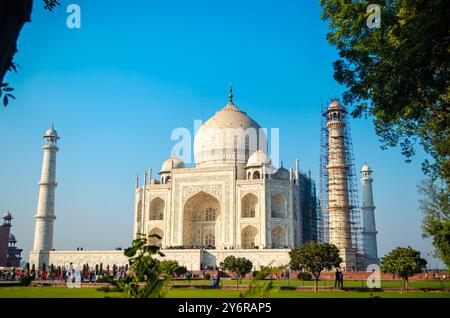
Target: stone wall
192 259
272 257
64 258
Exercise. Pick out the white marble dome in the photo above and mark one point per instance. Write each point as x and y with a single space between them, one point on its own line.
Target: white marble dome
335 104
7 215
51 132
228 132
258 158
366 168
282 174
174 162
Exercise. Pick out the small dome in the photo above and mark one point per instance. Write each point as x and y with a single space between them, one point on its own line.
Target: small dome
12 238
282 174
174 162
258 158
51 132
335 104
366 168
7 216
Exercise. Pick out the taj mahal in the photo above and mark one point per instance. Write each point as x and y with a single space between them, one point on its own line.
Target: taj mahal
231 201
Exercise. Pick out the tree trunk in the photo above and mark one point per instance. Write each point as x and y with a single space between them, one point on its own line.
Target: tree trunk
316 285
401 289
13 15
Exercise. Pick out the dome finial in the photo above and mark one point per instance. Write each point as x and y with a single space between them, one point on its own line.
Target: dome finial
230 95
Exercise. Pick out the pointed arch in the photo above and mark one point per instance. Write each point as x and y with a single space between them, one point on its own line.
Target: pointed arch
249 236
279 237
156 209
200 226
278 206
154 240
249 206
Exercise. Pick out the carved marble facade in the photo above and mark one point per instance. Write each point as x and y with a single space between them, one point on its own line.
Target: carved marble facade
229 199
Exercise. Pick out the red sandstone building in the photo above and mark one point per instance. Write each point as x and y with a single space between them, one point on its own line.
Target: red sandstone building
9 253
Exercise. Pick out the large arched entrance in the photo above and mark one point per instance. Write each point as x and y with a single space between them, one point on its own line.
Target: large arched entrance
200 226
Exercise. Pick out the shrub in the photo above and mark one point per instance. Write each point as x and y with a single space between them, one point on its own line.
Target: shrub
207 276
25 280
304 276
181 270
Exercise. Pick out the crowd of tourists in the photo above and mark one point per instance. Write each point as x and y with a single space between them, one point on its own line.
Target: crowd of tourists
191 247
213 247
12 274
84 274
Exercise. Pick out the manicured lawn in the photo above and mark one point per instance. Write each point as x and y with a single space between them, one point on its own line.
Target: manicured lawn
53 292
329 283
65 292
202 293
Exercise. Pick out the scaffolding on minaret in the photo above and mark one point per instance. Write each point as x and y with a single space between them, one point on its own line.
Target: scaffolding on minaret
322 214
325 186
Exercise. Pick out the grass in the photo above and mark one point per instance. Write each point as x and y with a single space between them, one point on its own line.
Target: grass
65 292
323 283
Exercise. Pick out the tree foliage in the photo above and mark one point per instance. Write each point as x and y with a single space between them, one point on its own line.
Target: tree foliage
13 16
181 270
315 257
240 266
144 277
50 4
398 73
403 262
169 267
434 205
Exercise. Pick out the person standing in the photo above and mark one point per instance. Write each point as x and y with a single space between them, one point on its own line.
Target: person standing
341 279
337 275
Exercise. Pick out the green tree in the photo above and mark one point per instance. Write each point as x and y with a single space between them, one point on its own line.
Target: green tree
240 266
13 16
314 258
144 277
397 73
434 205
403 262
181 270
169 267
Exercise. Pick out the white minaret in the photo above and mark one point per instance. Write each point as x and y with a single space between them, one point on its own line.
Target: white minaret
45 215
339 207
368 209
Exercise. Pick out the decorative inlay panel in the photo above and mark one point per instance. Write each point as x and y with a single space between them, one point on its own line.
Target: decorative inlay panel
213 189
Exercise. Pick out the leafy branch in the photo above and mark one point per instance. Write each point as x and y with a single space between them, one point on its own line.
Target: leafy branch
50 4
5 92
144 278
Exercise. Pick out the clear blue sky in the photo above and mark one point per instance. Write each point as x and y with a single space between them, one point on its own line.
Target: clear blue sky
116 88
